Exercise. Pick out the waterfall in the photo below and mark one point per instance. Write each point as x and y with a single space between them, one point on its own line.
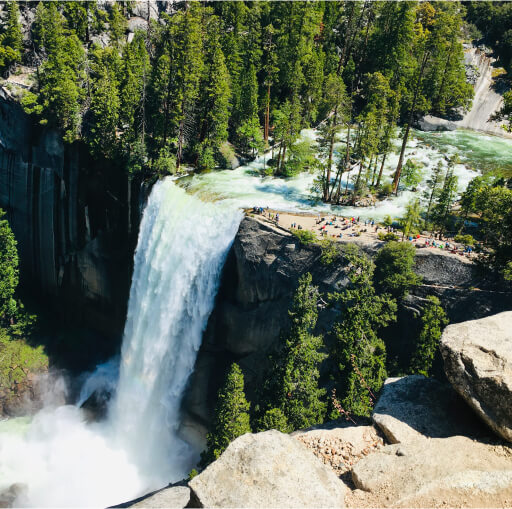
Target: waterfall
486 100
56 458
180 254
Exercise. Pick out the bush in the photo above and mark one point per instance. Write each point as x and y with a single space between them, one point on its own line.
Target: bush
467 240
274 419
305 236
387 237
330 251
394 269
386 189
18 360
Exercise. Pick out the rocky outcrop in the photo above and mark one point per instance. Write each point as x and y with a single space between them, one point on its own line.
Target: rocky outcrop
454 471
258 282
175 497
478 362
267 469
415 407
75 220
431 123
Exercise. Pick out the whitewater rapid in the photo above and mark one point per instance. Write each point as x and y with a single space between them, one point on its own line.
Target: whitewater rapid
63 461
246 187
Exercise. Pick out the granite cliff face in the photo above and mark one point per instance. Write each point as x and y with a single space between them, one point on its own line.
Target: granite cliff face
259 280
75 221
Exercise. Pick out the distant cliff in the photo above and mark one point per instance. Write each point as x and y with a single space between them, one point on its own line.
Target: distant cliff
75 221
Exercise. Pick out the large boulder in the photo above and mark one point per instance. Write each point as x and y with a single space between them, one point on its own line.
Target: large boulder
478 362
176 497
456 471
431 123
416 407
268 469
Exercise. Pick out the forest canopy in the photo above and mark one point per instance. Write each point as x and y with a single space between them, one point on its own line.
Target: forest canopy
198 81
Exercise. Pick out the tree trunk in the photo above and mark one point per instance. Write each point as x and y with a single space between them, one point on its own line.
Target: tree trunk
345 165
357 182
398 171
267 116
381 170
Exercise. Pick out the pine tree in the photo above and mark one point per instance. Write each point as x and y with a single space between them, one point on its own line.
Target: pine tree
411 221
133 89
394 269
359 352
292 387
446 198
336 106
433 320
11 40
105 109
214 101
231 416
434 184
9 274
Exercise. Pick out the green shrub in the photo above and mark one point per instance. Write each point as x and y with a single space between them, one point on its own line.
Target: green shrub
330 251
274 418
387 237
305 236
467 240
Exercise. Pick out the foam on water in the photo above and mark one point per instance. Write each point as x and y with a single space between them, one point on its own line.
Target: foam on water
62 460
245 187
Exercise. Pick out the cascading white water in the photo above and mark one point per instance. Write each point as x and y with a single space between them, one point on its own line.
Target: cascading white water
62 460
179 257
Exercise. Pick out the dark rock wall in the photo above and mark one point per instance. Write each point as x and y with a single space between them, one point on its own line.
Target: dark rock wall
258 283
75 221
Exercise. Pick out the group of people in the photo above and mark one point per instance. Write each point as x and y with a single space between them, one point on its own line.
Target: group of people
355 225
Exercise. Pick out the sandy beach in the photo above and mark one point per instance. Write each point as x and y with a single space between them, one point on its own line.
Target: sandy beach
349 229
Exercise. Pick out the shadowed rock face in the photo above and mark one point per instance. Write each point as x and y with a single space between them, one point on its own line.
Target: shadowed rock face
258 283
75 221
417 407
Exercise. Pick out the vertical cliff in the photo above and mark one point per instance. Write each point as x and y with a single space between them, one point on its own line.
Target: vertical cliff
488 97
75 221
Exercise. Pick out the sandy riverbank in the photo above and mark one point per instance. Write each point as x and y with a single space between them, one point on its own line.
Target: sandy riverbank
351 230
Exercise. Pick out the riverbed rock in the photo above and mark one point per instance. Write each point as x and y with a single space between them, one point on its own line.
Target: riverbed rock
268 469
455 471
431 123
175 497
415 407
478 363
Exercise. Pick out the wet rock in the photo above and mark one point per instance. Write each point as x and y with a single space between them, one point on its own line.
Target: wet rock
431 123
478 363
96 405
268 469
8 496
